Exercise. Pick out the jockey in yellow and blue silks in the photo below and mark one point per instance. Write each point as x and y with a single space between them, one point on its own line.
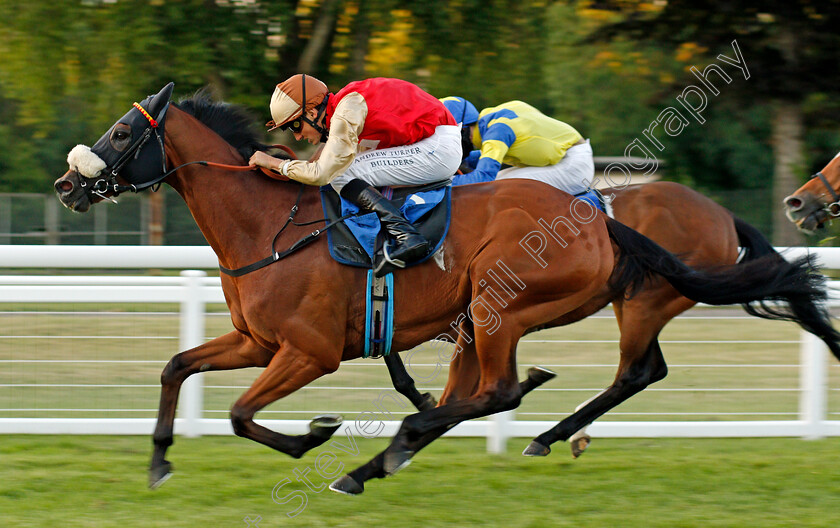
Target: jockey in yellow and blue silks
515 133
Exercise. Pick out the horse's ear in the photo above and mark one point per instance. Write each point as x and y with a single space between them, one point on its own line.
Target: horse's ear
159 101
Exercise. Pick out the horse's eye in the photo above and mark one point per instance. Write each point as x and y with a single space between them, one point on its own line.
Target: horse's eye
120 138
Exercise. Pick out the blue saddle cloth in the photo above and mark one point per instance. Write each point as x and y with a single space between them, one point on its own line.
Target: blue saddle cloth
594 198
357 241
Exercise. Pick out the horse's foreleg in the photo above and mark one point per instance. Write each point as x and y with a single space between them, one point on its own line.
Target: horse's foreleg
289 370
230 351
404 384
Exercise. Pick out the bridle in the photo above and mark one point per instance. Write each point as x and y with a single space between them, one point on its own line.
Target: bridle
108 183
102 185
832 208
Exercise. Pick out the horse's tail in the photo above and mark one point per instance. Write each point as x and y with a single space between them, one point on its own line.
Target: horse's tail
805 312
763 278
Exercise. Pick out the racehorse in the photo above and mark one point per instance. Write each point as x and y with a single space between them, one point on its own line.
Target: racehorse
300 315
704 235
818 201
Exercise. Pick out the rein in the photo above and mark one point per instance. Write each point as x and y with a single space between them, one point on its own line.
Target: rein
118 189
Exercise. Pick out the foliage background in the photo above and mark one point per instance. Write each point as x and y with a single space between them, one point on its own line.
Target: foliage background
67 69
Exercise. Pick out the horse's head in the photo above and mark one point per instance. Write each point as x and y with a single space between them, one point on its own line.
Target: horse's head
818 200
129 157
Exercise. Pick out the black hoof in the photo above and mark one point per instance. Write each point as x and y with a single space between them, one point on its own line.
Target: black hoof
394 462
347 485
536 449
325 425
159 474
540 375
429 402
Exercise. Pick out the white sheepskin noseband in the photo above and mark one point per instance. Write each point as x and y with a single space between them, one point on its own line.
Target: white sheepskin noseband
82 160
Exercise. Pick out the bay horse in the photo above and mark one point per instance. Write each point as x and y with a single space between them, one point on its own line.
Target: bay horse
302 315
705 235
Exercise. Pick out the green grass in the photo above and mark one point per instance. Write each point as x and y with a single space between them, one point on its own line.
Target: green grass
101 482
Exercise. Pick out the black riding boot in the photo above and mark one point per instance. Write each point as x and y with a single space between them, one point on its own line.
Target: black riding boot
408 245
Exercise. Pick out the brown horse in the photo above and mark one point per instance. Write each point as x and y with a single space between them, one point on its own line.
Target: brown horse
705 235
818 201
301 316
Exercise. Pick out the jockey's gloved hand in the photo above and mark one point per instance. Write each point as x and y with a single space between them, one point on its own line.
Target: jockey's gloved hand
472 159
261 159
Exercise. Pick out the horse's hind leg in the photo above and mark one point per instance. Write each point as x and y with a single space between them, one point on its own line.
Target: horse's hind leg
641 362
640 320
498 390
289 370
230 351
632 377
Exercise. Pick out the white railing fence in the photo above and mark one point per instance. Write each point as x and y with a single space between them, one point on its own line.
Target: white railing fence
193 290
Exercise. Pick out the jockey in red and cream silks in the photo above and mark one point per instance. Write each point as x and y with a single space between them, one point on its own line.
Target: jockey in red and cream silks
377 132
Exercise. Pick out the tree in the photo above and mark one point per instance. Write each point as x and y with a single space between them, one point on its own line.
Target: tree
789 45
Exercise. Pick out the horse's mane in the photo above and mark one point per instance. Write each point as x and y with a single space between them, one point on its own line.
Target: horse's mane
235 124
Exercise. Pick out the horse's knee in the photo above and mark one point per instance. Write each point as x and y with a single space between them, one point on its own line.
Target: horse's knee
173 371
179 368
239 419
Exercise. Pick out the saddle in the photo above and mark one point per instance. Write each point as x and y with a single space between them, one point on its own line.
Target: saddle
358 240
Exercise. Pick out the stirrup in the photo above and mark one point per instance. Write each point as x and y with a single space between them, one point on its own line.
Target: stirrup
387 257
385 264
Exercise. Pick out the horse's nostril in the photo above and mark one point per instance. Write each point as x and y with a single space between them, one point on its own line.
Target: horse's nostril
793 203
64 186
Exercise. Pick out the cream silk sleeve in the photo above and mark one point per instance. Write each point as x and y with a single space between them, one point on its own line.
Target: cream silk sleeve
346 124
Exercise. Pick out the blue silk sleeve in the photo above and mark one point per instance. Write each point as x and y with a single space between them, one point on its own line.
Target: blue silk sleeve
485 171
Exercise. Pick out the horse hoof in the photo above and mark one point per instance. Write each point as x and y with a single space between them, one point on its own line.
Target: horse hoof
347 485
429 402
325 425
159 474
579 445
536 449
540 375
394 462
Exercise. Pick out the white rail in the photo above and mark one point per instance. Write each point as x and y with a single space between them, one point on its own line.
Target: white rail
193 289
202 257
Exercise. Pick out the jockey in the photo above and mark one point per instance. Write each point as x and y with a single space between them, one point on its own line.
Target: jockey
376 132
515 133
